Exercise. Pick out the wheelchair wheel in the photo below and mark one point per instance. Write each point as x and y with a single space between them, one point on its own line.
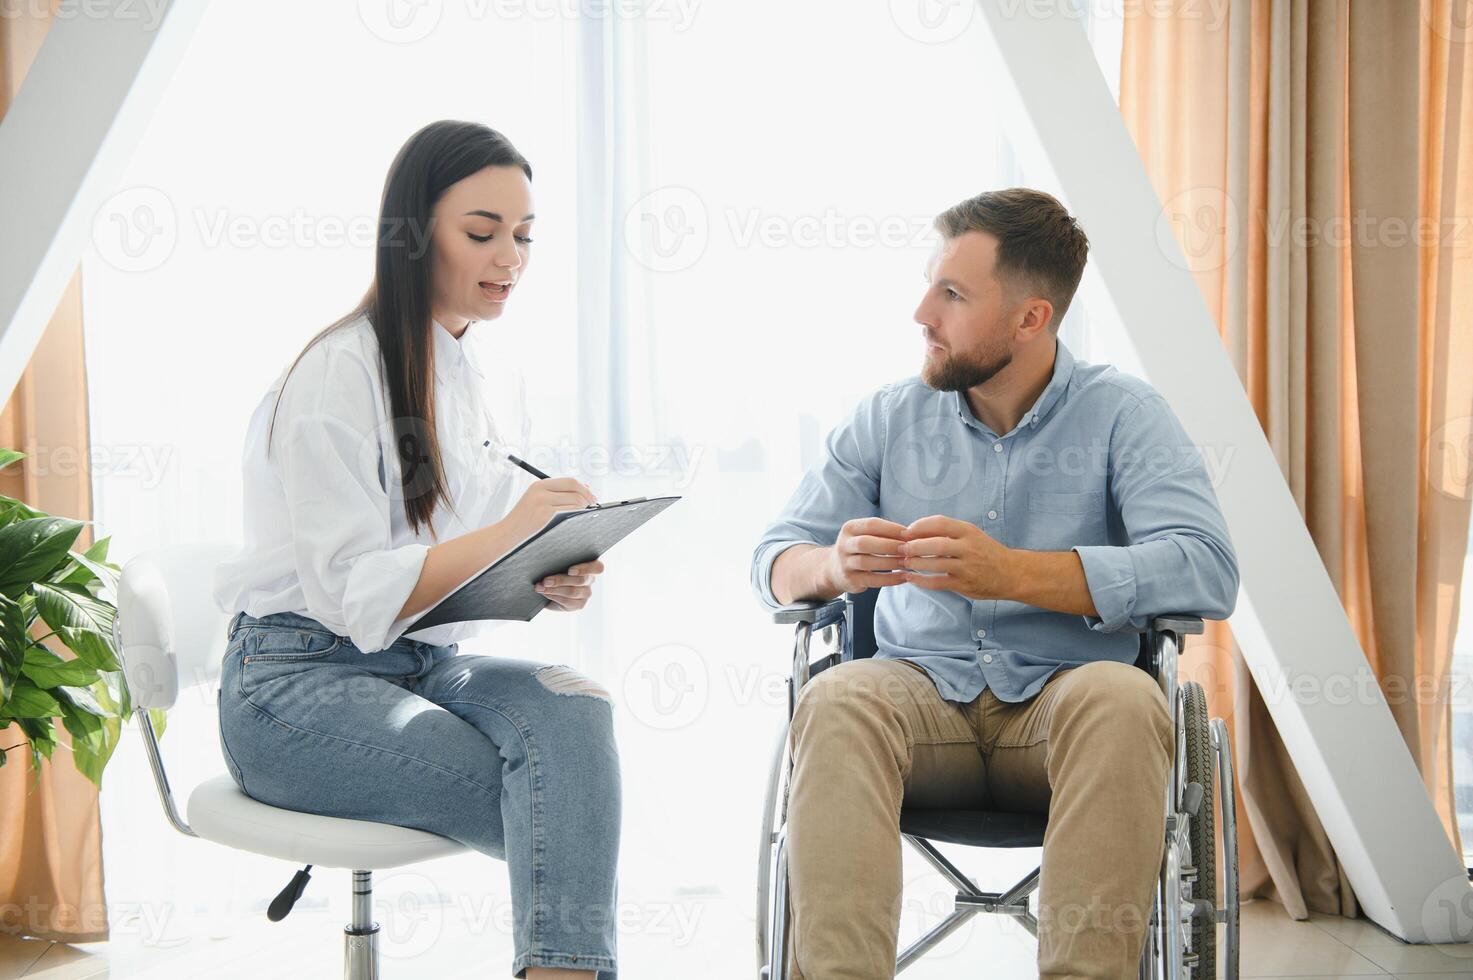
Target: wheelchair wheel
1199 886
774 813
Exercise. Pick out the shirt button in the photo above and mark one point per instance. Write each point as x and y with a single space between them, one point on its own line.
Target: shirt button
987 658
992 515
981 634
997 447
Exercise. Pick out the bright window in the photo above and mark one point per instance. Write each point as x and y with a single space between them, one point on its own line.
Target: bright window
778 165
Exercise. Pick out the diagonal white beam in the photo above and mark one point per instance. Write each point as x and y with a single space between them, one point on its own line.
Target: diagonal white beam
1289 621
64 142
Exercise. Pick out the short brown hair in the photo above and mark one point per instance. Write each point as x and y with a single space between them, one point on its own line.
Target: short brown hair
1038 241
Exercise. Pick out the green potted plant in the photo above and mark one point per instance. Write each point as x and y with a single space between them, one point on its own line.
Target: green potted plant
73 594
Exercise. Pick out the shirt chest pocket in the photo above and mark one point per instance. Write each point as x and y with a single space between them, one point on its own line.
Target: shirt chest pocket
1058 521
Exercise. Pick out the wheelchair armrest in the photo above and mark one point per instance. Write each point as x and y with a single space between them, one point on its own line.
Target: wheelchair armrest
1177 624
819 614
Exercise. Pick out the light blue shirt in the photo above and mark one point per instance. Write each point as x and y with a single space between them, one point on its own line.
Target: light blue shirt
1099 465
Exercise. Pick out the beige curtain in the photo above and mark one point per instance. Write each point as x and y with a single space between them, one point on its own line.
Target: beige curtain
51 883
1313 156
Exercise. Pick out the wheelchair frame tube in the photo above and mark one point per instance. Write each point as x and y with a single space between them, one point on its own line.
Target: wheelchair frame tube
1165 651
799 678
1229 829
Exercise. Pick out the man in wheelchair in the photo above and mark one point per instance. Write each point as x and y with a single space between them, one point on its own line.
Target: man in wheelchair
1025 516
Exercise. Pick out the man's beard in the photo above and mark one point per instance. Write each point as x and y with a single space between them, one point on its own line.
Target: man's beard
958 372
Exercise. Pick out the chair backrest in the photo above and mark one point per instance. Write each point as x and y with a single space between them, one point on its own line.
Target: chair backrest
169 632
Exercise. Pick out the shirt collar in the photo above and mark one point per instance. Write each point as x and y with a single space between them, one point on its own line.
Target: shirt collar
450 352
1057 385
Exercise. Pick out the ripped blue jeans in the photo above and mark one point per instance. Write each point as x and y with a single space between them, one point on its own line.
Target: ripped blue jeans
513 758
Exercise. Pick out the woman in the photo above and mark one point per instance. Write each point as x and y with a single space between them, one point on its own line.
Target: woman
370 494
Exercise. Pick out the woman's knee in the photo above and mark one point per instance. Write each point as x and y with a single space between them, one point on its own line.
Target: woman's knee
572 706
565 681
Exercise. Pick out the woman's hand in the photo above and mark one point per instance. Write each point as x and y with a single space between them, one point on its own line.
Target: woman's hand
573 590
545 498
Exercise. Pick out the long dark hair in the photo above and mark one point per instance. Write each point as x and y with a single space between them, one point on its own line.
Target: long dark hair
397 303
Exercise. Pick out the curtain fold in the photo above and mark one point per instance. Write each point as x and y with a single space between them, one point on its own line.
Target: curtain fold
1325 152
1445 406
51 880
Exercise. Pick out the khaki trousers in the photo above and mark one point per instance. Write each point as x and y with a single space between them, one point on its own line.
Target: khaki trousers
1093 749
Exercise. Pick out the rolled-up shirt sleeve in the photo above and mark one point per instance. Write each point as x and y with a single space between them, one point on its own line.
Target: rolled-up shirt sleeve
843 485
1178 557
327 451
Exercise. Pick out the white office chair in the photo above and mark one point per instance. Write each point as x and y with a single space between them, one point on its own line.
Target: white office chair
170 635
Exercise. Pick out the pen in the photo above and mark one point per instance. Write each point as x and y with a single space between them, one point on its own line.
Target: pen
523 464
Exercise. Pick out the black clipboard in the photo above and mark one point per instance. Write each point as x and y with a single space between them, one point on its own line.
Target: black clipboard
504 589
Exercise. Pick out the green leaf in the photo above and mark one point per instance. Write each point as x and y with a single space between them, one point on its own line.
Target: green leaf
82 571
8 456
48 670
112 693
82 699
14 642
95 731
29 701
82 724
30 549
90 755
42 733
84 622
91 647
89 566
40 575
12 510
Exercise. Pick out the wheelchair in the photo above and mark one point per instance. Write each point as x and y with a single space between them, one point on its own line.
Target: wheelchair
1181 936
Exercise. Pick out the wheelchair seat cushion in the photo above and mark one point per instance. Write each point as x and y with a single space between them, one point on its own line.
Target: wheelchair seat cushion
975 828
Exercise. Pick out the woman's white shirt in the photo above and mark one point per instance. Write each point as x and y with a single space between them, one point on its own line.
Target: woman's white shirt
325 534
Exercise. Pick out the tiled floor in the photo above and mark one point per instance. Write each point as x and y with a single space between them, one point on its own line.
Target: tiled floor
307 945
